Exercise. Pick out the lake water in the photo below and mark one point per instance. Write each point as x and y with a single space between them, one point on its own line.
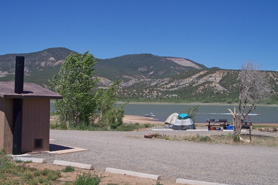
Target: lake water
267 114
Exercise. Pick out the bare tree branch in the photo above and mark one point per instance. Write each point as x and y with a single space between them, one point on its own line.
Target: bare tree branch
253 87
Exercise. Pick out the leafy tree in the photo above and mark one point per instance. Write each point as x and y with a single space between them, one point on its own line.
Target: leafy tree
77 86
108 114
192 112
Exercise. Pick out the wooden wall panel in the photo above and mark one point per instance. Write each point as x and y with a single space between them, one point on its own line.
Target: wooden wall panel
35 124
9 122
2 118
6 125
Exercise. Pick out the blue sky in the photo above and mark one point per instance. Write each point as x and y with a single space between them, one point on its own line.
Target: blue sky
216 33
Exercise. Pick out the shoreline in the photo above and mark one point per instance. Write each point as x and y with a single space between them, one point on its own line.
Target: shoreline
191 103
131 119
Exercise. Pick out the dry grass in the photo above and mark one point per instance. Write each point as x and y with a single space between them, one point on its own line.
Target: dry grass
256 140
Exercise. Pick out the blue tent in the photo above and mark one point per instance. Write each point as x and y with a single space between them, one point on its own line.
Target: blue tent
183 116
183 122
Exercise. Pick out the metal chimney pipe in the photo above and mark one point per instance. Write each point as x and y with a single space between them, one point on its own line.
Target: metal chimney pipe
17 127
18 105
19 75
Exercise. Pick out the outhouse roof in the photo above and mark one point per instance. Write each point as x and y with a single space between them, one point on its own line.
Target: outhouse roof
30 90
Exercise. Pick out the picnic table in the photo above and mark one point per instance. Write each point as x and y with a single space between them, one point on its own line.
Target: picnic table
223 124
217 124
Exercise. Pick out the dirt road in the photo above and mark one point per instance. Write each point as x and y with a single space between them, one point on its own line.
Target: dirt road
230 164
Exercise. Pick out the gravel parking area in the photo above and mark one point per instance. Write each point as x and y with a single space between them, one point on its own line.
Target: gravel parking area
230 164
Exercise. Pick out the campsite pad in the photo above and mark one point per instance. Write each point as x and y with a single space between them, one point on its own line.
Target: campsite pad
169 129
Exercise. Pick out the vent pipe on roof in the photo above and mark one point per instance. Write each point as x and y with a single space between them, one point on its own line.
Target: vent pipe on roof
18 105
19 75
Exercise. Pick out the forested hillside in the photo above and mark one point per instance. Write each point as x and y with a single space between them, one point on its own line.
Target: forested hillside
144 77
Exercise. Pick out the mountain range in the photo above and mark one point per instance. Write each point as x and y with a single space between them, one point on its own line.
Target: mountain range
144 77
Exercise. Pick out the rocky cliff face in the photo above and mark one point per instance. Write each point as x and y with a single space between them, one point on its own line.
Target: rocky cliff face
184 62
202 84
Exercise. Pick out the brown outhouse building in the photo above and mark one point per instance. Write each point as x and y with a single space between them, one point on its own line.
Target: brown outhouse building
24 117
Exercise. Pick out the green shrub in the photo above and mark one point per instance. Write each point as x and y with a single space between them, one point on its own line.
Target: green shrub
127 127
28 176
68 169
113 117
22 168
53 113
23 175
62 125
53 125
192 112
87 178
41 180
204 139
49 174
53 175
81 126
147 125
167 137
2 152
236 138
158 183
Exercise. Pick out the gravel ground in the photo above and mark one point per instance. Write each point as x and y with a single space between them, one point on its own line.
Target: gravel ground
230 164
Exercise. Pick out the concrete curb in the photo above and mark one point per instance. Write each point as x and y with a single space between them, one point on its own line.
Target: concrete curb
131 173
68 151
73 164
25 159
162 129
193 182
197 130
